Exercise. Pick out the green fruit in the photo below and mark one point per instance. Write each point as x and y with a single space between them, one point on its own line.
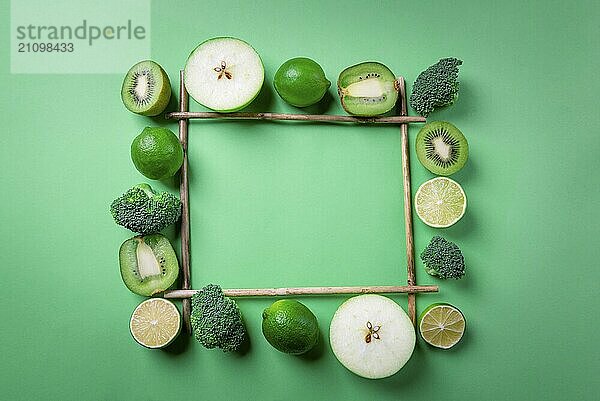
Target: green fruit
224 74
301 82
290 327
367 89
148 264
146 89
155 323
440 202
157 153
442 148
372 336
442 325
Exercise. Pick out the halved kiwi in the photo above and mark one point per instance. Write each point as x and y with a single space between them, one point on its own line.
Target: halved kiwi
148 264
442 148
367 89
146 89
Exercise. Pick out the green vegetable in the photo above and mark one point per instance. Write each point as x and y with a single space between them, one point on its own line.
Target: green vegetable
216 320
144 211
443 258
435 87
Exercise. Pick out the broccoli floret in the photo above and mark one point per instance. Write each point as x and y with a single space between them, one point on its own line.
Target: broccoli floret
144 211
435 87
443 258
216 320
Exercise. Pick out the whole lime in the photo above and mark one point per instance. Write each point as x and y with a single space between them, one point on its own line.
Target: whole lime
301 82
157 153
290 327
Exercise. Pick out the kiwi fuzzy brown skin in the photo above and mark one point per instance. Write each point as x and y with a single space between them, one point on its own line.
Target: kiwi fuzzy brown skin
366 104
158 91
164 257
442 148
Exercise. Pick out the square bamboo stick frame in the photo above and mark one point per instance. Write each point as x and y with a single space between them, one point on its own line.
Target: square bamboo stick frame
185 293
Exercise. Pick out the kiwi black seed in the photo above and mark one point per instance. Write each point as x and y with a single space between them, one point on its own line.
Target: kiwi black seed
442 148
148 264
367 89
146 89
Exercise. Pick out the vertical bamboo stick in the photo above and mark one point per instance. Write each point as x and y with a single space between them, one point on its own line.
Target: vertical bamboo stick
184 195
410 249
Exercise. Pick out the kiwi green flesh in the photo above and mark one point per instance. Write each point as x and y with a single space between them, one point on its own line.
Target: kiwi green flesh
442 148
367 89
146 89
362 71
148 264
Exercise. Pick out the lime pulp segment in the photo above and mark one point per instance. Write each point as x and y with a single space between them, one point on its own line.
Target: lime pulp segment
440 202
155 323
442 326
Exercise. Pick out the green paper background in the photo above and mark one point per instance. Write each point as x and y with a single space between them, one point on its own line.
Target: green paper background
293 204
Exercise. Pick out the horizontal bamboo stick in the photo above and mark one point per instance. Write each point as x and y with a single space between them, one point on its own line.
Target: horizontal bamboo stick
178 115
272 292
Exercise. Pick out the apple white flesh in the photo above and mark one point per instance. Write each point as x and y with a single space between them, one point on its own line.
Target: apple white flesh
372 336
224 74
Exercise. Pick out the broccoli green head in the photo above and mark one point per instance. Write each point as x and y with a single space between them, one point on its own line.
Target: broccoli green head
443 258
144 211
216 320
435 87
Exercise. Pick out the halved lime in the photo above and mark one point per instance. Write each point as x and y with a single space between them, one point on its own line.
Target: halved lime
442 325
155 323
440 202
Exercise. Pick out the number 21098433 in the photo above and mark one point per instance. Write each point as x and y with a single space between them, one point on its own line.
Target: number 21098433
35 47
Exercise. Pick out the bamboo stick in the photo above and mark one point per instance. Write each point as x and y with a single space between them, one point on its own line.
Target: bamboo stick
408 228
295 117
273 292
185 293
185 212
